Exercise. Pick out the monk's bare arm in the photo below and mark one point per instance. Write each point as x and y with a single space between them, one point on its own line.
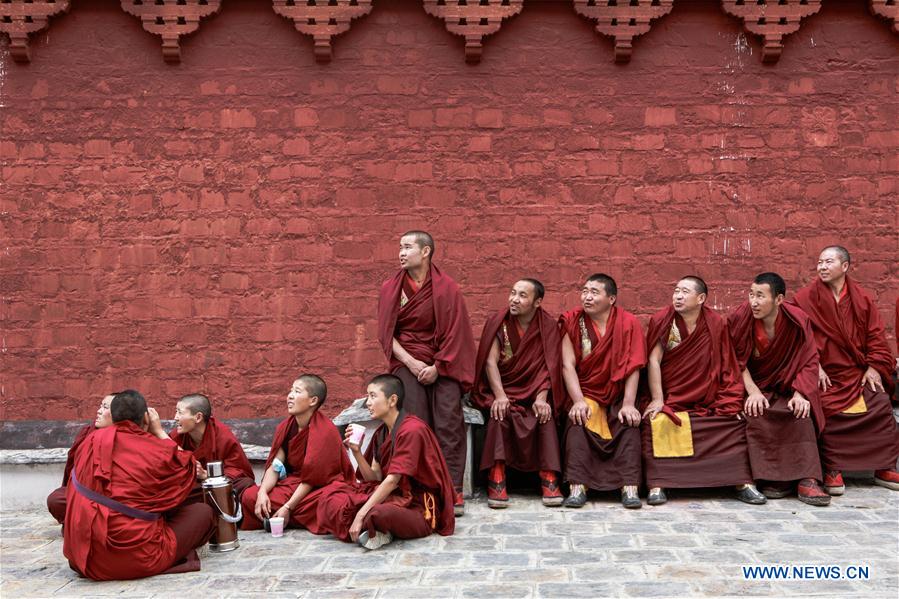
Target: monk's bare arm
756 402
654 370
500 405
299 493
579 413
368 471
270 477
387 486
400 353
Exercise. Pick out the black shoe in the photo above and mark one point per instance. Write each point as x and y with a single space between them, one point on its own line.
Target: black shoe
629 497
577 498
657 496
749 494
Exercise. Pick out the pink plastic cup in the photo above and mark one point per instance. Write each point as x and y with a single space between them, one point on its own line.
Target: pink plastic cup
358 434
277 526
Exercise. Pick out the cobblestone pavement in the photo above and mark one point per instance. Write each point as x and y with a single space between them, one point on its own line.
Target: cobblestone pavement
694 545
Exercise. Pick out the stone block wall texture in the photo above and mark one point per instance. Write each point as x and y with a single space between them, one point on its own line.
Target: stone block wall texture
223 224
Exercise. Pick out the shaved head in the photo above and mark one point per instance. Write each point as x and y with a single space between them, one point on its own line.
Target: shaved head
698 284
840 251
195 402
422 238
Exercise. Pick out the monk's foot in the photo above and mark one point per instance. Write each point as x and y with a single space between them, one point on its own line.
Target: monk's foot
549 486
811 492
459 504
657 496
749 494
629 497
887 478
373 542
777 489
833 483
497 498
577 498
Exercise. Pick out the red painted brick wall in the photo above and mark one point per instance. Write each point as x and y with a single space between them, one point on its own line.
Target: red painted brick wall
224 224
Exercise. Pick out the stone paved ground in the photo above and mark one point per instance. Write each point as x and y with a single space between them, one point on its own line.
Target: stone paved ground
695 545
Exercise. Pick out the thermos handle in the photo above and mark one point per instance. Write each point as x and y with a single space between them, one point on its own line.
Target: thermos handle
229 519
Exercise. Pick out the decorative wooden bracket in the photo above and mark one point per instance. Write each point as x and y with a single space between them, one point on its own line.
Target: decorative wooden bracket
170 19
888 9
623 19
473 20
771 19
322 19
19 18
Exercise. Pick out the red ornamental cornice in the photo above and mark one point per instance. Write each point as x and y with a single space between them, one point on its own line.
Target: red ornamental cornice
623 19
322 19
19 18
771 19
889 9
473 20
170 19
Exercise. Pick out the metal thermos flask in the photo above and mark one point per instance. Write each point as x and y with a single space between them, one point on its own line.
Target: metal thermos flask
218 492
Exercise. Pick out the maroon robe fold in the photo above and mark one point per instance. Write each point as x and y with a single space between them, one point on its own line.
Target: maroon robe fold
433 326
604 464
699 376
781 446
519 439
421 504
315 455
130 466
56 501
219 445
850 337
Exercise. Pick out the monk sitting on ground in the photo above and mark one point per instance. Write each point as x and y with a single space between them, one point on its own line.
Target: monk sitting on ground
307 453
56 501
855 375
603 350
776 351
517 381
406 490
125 517
696 436
210 441
424 331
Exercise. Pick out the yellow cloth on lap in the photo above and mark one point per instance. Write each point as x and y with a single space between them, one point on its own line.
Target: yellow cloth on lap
599 421
670 440
859 407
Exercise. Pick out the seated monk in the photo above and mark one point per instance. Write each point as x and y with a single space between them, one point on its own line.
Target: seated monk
696 436
210 441
517 378
855 375
406 491
603 350
125 516
307 454
56 501
776 351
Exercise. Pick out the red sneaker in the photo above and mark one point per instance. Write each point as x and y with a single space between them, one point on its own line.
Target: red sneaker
833 483
810 492
459 504
497 498
549 485
887 478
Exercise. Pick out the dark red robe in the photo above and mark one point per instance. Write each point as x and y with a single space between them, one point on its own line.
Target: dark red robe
781 446
529 364
219 445
315 455
56 501
126 464
604 464
699 376
850 337
433 326
421 504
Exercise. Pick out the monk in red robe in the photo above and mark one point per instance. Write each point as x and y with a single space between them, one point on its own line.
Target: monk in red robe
406 491
518 381
56 501
855 375
307 454
696 436
210 441
603 350
425 332
125 516
776 352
